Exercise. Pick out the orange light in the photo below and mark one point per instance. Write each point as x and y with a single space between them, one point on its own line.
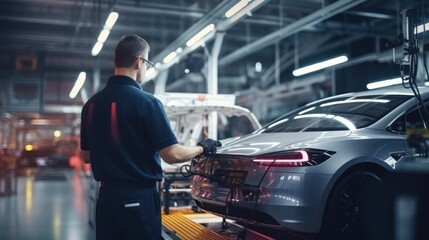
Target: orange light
201 97
28 147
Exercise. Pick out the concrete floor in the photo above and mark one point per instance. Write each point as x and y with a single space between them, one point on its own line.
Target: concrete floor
49 204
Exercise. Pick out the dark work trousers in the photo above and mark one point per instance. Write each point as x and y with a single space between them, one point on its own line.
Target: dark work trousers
128 211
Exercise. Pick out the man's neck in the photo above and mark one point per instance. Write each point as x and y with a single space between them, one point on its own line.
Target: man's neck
126 72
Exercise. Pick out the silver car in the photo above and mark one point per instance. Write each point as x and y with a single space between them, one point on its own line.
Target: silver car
307 171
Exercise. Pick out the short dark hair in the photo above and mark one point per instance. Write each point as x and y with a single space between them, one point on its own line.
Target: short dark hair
128 48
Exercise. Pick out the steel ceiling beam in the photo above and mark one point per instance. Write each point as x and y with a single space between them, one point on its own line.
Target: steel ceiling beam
211 17
291 29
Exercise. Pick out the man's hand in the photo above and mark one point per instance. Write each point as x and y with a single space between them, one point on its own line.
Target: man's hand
209 145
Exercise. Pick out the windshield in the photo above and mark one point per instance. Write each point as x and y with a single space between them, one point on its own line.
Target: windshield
346 113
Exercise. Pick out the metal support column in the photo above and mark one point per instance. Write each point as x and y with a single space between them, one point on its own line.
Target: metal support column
212 80
333 82
96 76
161 81
277 64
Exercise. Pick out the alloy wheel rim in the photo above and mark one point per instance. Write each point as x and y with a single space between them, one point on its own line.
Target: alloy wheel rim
349 203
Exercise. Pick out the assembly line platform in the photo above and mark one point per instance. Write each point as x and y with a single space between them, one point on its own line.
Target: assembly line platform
187 225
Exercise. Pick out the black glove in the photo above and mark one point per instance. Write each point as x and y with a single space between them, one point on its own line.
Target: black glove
209 145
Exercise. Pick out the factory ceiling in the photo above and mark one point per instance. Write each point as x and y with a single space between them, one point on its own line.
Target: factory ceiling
45 44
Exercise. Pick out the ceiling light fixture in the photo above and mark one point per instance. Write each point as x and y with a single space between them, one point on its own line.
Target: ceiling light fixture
78 84
111 20
102 37
197 37
242 8
150 74
237 7
384 83
96 49
258 66
57 133
320 65
170 57
40 122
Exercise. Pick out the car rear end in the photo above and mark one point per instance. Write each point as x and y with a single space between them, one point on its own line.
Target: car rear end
273 190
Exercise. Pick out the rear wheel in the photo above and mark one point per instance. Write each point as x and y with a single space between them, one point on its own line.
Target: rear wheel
348 206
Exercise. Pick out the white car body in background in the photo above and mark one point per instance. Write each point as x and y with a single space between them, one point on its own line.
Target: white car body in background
189 116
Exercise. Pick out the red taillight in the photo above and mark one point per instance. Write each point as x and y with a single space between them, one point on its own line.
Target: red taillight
291 158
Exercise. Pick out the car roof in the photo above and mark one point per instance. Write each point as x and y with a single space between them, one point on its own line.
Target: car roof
396 90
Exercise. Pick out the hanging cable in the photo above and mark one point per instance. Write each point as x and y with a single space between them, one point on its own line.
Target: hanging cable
425 44
186 169
242 234
409 63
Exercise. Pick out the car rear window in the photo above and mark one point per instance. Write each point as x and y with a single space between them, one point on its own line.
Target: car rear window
336 114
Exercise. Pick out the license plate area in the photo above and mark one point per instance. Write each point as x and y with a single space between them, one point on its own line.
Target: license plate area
230 178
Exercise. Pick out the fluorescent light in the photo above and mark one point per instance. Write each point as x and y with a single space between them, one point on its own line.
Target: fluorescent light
97 48
421 28
63 108
78 84
384 83
237 7
320 65
113 16
103 35
40 122
258 66
170 57
246 9
151 72
200 35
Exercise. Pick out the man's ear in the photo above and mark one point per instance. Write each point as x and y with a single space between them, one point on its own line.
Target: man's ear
137 63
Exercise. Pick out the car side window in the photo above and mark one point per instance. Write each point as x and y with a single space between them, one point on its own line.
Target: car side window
411 119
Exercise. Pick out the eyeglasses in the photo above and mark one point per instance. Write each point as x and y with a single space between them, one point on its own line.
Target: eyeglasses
149 64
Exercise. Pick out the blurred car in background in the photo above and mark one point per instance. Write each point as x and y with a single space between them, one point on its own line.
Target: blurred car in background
308 171
55 154
39 157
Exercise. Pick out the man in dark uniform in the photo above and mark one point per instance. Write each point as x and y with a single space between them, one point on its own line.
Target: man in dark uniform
124 131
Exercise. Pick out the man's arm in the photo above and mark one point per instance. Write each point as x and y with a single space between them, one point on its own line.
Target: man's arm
177 153
85 156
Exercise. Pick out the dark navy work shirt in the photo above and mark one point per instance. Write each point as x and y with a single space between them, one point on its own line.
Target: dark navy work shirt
124 128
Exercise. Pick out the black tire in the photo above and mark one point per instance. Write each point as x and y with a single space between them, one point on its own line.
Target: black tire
348 205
